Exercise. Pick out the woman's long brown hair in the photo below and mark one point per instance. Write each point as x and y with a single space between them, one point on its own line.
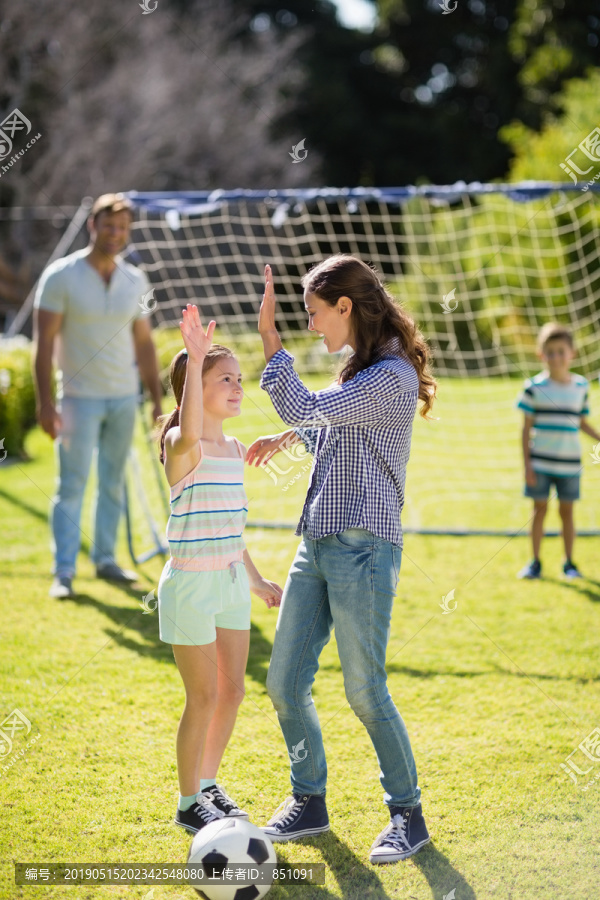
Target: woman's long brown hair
375 318
177 374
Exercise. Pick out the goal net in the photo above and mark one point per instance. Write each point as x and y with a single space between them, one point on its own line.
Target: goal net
480 267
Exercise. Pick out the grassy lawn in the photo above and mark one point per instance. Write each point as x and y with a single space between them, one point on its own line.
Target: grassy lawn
495 695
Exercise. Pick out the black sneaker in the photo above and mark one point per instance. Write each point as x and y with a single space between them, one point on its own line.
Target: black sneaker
405 834
570 570
221 801
112 572
299 816
532 570
198 815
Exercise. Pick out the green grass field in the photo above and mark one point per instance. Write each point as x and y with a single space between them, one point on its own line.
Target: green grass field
495 695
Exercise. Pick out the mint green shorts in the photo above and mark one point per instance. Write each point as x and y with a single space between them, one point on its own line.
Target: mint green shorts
192 605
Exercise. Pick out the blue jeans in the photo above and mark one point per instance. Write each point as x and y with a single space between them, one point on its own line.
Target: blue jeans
89 423
347 581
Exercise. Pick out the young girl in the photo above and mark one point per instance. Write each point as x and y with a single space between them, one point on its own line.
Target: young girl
204 590
347 564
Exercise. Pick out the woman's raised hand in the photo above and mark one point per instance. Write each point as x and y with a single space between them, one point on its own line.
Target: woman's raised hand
197 341
266 316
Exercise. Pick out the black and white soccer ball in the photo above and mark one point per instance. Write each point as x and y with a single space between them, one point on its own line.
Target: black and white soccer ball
225 844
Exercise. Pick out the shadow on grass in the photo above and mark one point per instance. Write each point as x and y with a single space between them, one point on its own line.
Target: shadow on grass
359 880
581 586
146 625
441 875
497 669
41 514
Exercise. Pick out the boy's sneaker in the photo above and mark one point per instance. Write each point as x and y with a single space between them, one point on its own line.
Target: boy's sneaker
198 815
405 834
62 588
570 570
112 572
532 570
221 801
301 815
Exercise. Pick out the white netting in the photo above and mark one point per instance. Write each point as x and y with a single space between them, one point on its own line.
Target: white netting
508 266
506 259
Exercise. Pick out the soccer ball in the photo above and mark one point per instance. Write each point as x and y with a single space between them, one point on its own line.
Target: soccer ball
228 843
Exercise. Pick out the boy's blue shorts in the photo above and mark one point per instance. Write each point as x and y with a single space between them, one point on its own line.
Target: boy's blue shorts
567 487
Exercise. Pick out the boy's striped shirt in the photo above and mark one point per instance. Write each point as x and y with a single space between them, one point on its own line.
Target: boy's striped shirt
557 410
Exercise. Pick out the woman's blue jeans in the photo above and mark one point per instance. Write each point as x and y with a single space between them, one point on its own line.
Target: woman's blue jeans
90 424
346 581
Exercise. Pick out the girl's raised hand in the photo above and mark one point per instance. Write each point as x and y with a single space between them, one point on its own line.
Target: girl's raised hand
197 341
266 316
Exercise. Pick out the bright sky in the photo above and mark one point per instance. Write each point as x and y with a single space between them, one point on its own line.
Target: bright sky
356 13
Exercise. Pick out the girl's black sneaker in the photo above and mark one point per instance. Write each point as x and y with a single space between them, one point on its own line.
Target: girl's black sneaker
570 570
223 802
531 570
198 815
405 834
301 815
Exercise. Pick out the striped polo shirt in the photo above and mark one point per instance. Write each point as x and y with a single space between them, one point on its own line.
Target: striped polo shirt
557 410
209 508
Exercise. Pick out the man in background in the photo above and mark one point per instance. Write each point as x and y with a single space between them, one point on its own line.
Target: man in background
89 312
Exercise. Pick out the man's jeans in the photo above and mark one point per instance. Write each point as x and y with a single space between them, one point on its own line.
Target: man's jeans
89 423
348 581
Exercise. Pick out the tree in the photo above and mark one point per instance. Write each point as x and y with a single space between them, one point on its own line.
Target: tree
553 41
538 154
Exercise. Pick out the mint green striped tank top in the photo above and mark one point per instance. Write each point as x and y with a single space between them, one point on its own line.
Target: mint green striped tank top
209 508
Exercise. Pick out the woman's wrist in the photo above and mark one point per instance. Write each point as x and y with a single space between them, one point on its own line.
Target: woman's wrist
271 343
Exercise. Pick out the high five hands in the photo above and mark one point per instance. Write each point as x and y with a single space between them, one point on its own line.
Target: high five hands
266 316
197 341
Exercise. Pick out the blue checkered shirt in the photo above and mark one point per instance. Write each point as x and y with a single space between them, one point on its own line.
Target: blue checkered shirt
359 434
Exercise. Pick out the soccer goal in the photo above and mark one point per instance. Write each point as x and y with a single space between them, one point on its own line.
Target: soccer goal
481 267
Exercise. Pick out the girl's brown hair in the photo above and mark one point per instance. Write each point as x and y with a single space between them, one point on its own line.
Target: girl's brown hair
177 374
375 318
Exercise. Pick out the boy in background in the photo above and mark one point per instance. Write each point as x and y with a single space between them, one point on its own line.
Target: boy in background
555 404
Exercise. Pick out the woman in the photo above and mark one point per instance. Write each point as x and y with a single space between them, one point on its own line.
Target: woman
347 565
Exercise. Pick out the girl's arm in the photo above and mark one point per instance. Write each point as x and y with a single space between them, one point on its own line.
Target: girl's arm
267 590
185 437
